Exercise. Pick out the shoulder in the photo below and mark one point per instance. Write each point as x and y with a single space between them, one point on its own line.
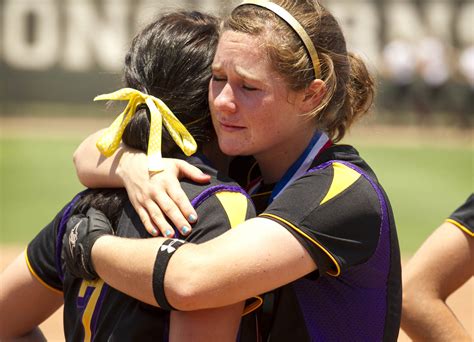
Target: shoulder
335 208
463 217
329 188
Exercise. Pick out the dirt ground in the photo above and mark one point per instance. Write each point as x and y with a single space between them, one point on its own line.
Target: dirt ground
461 302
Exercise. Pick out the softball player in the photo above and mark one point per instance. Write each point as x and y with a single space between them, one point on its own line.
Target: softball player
175 50
442 264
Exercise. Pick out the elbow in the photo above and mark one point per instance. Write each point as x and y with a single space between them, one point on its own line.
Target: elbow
78 165
187 286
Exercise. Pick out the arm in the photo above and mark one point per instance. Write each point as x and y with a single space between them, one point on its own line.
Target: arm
93 169
24 302
255 257
155 197
221 324
442 264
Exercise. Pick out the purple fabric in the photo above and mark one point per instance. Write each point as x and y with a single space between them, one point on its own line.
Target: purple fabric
97 309
197 201
353 306
81 302
61 231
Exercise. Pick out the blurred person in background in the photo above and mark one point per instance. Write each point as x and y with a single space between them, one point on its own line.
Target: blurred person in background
466 70
443 263
171 59
433 67
399 71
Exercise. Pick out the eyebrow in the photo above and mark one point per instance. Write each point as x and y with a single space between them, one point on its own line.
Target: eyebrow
238 70
246 75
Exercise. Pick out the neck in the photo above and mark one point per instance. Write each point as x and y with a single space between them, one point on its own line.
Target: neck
273 164
218 159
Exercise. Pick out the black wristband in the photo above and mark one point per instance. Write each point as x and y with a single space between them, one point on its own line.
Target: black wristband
163 257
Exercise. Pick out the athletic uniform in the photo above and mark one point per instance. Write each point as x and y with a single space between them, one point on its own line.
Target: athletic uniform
463 217
338 211
95 311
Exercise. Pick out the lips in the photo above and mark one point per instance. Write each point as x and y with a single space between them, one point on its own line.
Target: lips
230 127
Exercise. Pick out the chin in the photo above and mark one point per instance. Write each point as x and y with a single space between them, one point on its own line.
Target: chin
231 148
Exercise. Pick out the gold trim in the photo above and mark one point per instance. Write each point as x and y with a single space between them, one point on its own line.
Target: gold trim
250 172
33 273
253 306
460 226
260 194
295 25
338 268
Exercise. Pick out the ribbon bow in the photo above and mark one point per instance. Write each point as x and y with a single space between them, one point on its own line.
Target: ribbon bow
160 114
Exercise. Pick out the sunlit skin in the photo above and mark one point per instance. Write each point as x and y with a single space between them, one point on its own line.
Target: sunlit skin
253 111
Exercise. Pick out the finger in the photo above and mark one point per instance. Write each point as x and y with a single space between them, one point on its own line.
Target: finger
191 172
146 220
157 213
179 197
172 212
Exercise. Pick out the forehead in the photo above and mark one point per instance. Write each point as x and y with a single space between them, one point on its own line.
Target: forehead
241 50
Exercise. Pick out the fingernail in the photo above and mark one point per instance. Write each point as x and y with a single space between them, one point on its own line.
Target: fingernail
192 218
154 232
185 230
169 232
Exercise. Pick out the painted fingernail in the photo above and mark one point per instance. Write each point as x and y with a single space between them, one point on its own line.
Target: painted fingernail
169 232
185 230
154 232
192 218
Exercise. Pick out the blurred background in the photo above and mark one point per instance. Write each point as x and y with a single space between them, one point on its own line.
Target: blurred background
56 55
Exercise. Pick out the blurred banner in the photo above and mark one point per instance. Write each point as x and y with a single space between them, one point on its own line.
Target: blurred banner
67 51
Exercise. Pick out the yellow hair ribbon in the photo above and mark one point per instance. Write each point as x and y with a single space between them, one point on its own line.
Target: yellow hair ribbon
295 25
160 114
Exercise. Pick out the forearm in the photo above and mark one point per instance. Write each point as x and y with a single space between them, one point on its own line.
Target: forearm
93 169
35 335
230 268
430 319
127 264
24 302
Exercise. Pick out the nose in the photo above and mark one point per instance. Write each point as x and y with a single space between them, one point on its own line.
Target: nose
224 100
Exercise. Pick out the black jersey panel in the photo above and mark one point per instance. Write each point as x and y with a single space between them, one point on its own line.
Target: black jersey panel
41 253
345 228
463 217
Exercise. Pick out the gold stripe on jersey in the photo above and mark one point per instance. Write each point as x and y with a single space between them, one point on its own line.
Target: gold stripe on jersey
235 206
343 178
338 268
33 273
460 226
91 304
253 306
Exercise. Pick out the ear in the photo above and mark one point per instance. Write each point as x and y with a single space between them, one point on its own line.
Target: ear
312 95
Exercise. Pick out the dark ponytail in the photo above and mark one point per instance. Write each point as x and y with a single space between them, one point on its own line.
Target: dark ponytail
169 59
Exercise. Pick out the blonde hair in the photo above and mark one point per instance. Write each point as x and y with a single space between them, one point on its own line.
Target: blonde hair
349 86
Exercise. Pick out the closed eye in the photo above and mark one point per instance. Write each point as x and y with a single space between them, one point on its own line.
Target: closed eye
249 88
216 78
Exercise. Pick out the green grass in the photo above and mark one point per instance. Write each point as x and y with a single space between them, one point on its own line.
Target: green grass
425 184
37 179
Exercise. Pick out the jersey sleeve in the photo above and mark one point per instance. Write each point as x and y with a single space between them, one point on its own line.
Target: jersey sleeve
41 255
335 213
463 217
220 209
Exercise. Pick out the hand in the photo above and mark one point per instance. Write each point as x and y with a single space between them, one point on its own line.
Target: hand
82 231
160 195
